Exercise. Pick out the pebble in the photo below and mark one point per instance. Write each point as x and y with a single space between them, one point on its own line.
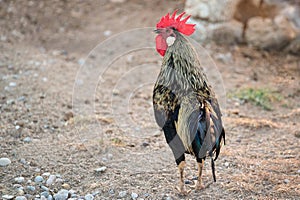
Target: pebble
46 174
107 33
81 61
44 188
62 195
134 195
286 181
298 171
45 194
111 191
19 179
50 197
4 162
38 179
101 169
20 198
27 139
226 164
20 191
88 197
7 196
122 194
66 186
12 84
188 182
50 180
30 188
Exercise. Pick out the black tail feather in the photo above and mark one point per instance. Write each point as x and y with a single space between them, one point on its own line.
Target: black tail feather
213 168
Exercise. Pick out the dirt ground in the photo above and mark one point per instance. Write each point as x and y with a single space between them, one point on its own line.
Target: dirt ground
79 120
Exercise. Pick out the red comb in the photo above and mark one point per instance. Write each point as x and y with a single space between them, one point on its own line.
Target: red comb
181 26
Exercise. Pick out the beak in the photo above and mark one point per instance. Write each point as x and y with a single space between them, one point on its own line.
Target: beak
157 31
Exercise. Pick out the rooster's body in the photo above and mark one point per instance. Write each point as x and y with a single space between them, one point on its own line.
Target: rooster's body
185 106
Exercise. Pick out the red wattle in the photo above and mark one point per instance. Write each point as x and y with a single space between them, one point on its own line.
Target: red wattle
161 45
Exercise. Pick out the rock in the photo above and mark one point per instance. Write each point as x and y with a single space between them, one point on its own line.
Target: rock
210 10
89 197
225 58
265 34
4 162
19 179
188 182
66 186
286 181
7 196
38 179
20 191
45 194
44 188
228 33
50 180
226 164
30 188
145 144
46 174
68 116
294 47
12 84
81 61
107 33
122 194
23 161
134 195
62 195
100 169
50 197
27 139
20 198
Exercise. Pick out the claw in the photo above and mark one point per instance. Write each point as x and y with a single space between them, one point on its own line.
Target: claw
183 191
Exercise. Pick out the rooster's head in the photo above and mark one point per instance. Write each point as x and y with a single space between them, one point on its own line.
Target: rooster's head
168 27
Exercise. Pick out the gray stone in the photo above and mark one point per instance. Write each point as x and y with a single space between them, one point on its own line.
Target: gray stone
210 10
228 33
89 197
50 180
134 195
122 194
294 46
27 139
12 84
20 198
4 162
45 194
7 196
38 179
100 169
44 188
62 195
19 179
265 34
30 188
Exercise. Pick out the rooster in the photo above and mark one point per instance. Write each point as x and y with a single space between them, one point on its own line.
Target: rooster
185 106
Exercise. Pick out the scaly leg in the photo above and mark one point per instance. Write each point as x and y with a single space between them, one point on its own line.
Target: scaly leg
181 180
199 185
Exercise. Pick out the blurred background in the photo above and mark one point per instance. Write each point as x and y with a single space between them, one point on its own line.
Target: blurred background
47 151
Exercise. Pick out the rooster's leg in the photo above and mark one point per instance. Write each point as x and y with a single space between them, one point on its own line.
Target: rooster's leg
181 180
199 185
